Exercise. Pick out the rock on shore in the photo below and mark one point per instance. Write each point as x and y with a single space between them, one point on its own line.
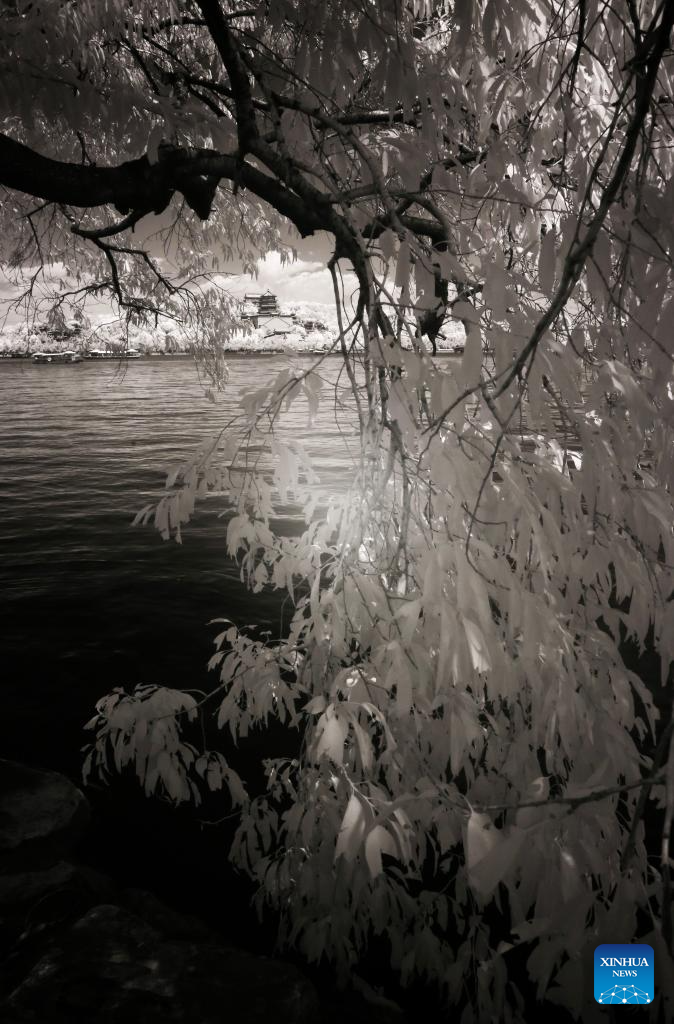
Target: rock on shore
42 816
77 949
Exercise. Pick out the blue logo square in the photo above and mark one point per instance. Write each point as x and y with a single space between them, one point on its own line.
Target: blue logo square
624 973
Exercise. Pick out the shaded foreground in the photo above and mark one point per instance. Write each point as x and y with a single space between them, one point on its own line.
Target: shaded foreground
78 946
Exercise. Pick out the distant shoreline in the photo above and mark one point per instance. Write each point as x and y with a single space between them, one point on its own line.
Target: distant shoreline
122 357
8 357
305 329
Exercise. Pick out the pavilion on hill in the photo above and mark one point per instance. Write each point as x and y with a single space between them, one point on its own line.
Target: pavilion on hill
264 304
262 310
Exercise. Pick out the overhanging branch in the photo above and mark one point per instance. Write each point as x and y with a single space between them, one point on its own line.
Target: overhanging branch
139 187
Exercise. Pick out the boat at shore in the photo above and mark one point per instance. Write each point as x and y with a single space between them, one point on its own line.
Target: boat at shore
57 357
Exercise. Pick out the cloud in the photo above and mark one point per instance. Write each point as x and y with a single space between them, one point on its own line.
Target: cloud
301 281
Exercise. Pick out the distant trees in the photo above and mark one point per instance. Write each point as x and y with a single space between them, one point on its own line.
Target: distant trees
477 761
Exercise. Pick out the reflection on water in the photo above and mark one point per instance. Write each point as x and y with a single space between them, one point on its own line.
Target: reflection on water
88 602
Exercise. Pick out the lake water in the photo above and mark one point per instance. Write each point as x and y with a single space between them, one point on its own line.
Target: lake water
89 602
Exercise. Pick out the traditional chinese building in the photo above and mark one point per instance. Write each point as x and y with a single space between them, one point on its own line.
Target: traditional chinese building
262 310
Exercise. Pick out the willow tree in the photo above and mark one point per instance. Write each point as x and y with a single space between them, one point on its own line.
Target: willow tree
478 763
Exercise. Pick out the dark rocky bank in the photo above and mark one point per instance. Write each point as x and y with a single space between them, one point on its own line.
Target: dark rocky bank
79 946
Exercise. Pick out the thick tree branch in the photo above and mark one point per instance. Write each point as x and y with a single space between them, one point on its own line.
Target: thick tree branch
140 186
134 185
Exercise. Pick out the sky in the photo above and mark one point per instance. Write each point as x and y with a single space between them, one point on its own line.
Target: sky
305 280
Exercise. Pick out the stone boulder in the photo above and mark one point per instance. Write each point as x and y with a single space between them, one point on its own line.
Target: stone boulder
42 817
113 968
76 948
28 887
171 923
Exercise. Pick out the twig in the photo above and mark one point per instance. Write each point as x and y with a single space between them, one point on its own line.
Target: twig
575 801
111 229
